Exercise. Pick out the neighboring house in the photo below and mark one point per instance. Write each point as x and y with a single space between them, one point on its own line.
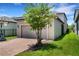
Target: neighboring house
8 26
57 28
76 21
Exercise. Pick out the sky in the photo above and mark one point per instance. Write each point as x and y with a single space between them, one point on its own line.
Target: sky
68 9
17 9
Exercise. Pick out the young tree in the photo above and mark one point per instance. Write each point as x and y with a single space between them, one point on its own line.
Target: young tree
38 16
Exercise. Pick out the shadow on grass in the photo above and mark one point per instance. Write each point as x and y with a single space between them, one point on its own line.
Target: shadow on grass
47 46
44 47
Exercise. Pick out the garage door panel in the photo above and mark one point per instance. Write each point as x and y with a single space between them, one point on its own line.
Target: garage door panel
27 32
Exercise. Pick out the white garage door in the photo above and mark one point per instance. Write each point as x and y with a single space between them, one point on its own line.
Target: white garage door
26 32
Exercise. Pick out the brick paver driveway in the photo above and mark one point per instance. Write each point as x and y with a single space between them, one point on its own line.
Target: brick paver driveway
15 46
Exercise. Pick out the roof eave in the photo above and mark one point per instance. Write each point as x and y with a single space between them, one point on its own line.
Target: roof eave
8 21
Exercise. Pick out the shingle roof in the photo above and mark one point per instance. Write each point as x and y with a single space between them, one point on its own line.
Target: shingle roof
8 19
58 15
63 18
17 18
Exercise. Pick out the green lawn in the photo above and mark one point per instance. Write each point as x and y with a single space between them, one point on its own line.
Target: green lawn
67 45
10 37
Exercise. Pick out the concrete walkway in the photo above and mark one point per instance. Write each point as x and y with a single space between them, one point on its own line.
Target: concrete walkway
15 46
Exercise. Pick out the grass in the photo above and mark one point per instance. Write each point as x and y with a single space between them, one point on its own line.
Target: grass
10 37
67 45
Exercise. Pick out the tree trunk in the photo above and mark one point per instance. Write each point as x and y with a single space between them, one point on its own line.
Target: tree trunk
39 38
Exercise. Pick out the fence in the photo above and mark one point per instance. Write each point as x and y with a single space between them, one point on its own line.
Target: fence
8 32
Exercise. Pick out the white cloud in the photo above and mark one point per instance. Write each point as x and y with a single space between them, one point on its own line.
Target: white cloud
1 14
5 15
64 9
67 9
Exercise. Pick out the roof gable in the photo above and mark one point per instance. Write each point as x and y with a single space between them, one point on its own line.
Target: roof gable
62 17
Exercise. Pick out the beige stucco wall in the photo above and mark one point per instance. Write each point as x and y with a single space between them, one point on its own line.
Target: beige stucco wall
45 33
57 29
65 25
52 32
19 30
48 32
63 18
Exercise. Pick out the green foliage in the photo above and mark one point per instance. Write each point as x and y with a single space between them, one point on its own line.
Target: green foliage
67 46
38 16
10 37
71 27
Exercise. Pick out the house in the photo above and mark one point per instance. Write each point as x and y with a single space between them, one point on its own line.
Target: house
8 26
76 21
57 28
